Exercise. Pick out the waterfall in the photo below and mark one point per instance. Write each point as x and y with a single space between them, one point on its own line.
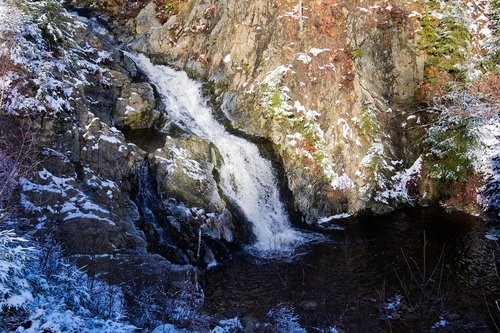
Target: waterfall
247 178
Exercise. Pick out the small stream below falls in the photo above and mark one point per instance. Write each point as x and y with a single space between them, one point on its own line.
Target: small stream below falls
352 281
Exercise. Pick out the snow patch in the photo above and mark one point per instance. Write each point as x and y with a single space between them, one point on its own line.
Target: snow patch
304 58
324 220
316 51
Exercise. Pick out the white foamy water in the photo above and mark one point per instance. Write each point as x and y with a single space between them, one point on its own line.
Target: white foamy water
246 177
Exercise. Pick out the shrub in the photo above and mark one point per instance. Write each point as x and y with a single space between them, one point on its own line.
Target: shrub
367 122
451 143
186 307
375 172
282 319
15 291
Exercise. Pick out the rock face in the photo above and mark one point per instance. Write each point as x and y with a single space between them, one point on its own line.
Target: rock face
127 191
184 171
136 106
118 183
331 92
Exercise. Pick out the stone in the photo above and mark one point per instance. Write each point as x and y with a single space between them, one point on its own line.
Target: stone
250 324
309 305
129 65
146 20
184 171
136 106
171 22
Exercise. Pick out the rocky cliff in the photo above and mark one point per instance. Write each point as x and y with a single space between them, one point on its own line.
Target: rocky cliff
336 86
95 174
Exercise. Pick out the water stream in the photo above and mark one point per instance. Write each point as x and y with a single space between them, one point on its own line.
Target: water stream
247 178
362 278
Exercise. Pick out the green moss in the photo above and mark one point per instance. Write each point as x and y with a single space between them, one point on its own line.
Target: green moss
219 88
191 73
172 7
217 156
320 157
357 53
276 99
242 65
216 175
228 124
175 131
146 117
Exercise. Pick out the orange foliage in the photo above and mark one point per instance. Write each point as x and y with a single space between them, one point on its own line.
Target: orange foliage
489 85
434 87
465 193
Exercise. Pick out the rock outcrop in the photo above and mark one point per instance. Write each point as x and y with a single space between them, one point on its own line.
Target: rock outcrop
326 91
105 185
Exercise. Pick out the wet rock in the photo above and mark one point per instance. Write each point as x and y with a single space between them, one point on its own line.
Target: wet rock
106 150
136 106
146 20
219 226
309 305
130 66
250 324
184 171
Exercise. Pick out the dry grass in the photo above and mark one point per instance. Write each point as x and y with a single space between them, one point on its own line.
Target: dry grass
18 151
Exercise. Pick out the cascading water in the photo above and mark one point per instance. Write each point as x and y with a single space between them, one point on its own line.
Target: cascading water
246 177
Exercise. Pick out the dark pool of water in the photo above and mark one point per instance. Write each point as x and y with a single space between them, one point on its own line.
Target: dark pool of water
148 139
349 280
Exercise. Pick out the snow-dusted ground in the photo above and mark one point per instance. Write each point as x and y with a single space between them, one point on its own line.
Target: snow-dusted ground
488 162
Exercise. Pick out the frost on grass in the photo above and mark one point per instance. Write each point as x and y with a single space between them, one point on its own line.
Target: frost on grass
41 291
283 319
40 62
